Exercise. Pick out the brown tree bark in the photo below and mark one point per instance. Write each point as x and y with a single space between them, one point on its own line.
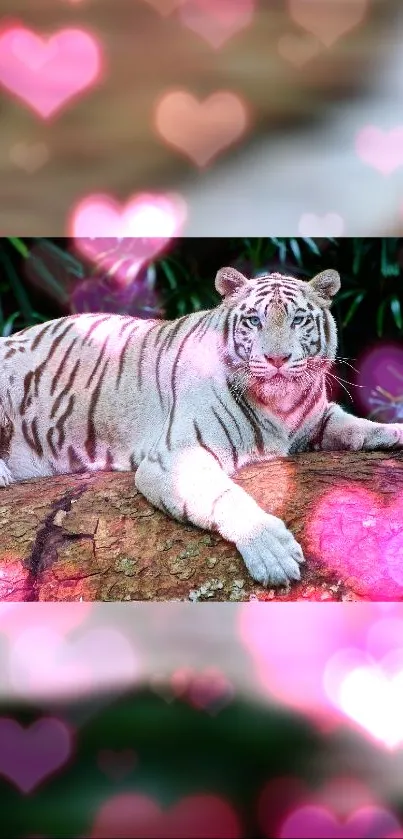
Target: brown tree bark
93 536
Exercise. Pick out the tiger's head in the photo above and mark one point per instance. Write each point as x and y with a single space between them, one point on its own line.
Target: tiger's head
279 330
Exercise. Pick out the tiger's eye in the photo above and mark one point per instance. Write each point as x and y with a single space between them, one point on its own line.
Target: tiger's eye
252 320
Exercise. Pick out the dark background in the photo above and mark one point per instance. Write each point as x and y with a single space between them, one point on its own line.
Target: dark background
264 762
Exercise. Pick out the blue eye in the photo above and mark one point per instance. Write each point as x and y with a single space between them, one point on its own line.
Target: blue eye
252 320
298 319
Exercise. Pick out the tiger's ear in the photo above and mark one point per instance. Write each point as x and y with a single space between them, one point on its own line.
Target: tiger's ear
326 284
229 280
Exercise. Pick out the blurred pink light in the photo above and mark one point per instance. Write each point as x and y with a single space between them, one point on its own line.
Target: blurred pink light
137 816
216 20
312 822
367 683
361 538
47 74
44 664
292 645
380 370
132 235
340 807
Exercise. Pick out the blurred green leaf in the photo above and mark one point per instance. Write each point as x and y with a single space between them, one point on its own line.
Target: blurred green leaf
17 286
19 245
354 306
7 326
351 292
389 265
396 311
312 245
296 251
166 268
380 316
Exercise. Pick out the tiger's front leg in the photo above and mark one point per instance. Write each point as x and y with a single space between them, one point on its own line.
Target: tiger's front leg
342 431
190 486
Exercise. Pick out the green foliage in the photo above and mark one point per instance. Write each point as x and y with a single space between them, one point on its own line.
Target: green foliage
371 294
370 268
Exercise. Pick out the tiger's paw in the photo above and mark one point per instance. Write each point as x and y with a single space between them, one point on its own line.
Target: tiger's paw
6 477
271 554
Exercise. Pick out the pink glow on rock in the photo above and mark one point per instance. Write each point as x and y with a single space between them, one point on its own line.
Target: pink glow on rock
137 816
319 823
380 370
361 539
216 20
29 755
46 74
383 150
13 578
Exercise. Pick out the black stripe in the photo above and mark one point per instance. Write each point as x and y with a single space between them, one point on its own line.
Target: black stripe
201 443
230 414
99 360
41 333
61 367
65 389
255 425
93 326
173 382
142 354
90 443
122 358
228 436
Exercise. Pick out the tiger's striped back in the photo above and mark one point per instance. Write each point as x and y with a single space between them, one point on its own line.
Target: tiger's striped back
98 391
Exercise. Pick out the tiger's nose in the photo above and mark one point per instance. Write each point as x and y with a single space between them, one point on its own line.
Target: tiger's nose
277 360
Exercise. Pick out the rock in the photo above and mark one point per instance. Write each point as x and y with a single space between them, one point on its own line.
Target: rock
94 537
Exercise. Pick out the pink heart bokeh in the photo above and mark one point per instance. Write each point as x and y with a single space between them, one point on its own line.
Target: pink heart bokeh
208 689
312 822
29 755
383 150
46 74
137 232
25 617
136 816
331 224
298 50
117 764
216 20
44 664
201 129
366 682
329 20
293 645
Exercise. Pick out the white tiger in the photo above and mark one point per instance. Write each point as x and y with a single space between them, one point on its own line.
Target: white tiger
186 403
